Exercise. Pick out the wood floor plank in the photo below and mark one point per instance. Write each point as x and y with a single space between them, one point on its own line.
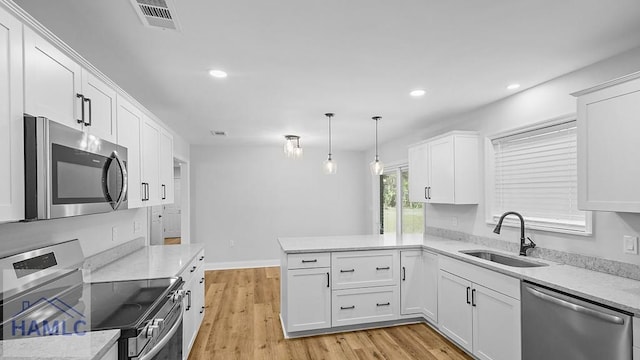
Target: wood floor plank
242 321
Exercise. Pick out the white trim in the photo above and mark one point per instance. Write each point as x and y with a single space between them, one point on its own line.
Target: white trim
535 126
242 264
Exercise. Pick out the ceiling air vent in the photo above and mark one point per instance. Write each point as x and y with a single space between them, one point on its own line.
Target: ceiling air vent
157 13
219 133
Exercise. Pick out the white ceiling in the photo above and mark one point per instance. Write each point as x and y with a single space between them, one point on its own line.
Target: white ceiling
290 61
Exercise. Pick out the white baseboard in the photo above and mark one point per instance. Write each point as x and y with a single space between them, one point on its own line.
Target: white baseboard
241 264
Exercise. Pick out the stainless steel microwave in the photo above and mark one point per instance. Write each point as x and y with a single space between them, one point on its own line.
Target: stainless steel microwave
69 172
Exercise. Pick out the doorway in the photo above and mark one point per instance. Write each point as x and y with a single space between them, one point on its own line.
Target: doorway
169 223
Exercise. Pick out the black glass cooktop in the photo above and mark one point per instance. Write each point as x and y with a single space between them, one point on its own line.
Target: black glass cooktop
126 304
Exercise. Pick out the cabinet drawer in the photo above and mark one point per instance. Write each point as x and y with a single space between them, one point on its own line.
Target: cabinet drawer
308 261
359 306
357 269
504 284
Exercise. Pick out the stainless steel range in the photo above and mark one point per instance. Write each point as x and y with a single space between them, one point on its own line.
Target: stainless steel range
43 294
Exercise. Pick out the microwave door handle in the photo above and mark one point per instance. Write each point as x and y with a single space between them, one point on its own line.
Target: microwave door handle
165 339
125 180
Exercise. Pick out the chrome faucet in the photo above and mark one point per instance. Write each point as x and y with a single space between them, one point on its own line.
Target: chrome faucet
523 247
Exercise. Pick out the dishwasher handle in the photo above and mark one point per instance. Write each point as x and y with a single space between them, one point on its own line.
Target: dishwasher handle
575 307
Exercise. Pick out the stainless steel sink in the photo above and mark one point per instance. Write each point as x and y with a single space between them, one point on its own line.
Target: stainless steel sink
503 259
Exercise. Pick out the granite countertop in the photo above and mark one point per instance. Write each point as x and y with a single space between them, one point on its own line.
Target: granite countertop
615 291
150 262
92 345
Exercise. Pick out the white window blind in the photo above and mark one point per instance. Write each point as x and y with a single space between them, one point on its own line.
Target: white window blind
536 175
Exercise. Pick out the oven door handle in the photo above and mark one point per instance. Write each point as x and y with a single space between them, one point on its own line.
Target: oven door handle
125 180
160 344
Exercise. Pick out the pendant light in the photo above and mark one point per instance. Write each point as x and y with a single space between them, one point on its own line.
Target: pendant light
329 166
292 147
377 167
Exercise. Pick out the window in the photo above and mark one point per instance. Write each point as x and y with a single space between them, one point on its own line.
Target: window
397 214
535 173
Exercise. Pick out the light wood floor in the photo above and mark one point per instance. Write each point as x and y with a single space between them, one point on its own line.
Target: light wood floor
242 322
172 241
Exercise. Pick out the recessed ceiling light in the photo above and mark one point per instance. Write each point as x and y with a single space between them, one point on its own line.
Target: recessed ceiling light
416 93
513 86
218 74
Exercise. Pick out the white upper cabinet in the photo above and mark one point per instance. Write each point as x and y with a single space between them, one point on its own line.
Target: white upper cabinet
99 107
150 145
444 170
52 82
11 127
166 167
128 135
608 156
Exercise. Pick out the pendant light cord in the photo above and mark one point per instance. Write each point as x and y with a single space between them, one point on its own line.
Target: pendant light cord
376 118
329 116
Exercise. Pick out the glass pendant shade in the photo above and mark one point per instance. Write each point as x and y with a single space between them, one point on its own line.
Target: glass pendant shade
377 167
292 147
330 166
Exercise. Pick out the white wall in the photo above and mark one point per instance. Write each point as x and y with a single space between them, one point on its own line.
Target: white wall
253 195
93 231
546 101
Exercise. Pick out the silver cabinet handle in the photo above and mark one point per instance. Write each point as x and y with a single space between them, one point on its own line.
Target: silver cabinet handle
328 280
404 273
348 271
426 196
468 290
383 304
429 192
575 307
309 261
88 101
347 307
383 268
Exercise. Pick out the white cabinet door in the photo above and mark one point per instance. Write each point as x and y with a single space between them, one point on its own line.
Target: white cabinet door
444 169
496 325
441 171
430 285
198 296
11 126
454 309
411 282
52 82
418 177
100 107
190 317
308 299
128 130
166 167
608 156
150 162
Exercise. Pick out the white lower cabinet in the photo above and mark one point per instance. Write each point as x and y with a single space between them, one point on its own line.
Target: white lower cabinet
193 302
365 305
482 320
419 284
454 309
308 299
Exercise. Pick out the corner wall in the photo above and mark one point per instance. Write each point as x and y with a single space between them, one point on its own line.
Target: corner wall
543 102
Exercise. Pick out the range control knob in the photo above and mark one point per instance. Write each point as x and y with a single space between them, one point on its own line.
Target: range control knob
177 296
151 331
157 322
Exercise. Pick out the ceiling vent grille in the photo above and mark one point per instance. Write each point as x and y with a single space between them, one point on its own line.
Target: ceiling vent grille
156 13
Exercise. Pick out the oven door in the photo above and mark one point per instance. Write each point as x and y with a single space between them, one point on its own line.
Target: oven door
168 345
87 175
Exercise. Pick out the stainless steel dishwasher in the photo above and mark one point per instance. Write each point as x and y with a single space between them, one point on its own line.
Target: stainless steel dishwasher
558 326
